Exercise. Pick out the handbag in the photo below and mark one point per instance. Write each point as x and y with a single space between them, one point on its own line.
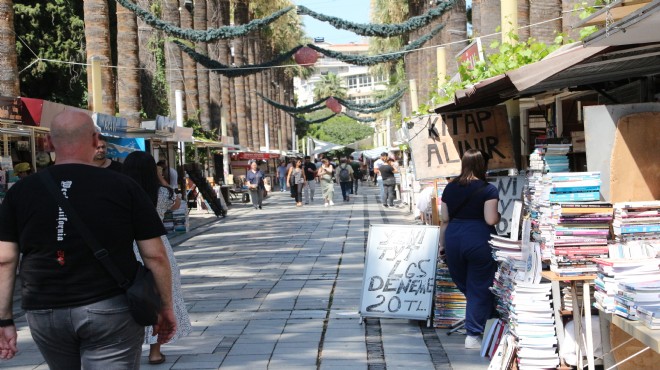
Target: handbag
143 298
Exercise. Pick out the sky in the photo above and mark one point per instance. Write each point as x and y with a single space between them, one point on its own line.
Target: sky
350 10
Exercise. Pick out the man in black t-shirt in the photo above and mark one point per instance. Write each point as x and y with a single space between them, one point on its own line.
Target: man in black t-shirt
78 315
310 176
101 160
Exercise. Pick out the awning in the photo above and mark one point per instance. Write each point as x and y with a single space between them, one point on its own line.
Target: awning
323 147
374 153
254 155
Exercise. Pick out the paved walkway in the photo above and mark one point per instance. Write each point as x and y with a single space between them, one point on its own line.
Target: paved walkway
279 288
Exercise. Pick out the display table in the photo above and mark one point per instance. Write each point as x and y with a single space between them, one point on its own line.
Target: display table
637 330
584 348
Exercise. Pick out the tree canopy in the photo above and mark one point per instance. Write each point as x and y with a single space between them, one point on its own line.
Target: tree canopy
339 129
329 85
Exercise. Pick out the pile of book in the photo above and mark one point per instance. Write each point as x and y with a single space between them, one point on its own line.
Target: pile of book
631 297
613 272
637 222
449 301
493 333
581 234
550 158
573 186
176 222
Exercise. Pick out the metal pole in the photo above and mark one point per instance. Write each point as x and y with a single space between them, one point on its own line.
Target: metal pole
267 133
178 98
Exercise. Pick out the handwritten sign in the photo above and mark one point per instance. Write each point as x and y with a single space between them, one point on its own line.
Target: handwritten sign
438 141
510 189
399 272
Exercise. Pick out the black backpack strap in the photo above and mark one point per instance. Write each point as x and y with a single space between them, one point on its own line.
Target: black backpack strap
99 252
467 200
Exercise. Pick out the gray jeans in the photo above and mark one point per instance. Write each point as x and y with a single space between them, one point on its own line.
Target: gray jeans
101 335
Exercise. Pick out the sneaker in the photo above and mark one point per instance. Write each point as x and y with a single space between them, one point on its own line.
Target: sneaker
472 342
326 204
386 206
332 203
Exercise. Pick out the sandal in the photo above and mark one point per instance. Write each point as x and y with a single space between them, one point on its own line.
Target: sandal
159 361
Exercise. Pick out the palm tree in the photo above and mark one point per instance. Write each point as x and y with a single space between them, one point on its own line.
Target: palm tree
189 68
254 119
153 89
128 74
329 85
542 11
97 44
489 22
173 59
8 62
200 23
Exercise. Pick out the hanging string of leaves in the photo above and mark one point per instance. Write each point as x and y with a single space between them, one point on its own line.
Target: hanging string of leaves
377 59
359 119
226 32
317 105
230 71
375 107
302 120
382 30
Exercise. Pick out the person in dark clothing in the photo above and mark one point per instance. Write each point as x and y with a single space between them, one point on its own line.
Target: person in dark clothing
357 174
345 178
100 158
387 172
469 213
255 183
310 180
297 178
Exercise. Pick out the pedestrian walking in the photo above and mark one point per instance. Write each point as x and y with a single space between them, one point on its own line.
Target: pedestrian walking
345 178
327 185
141 167
289 168
281 176
357 175
310 183
297 178
255 183
79 316
469 212
387 172
379 179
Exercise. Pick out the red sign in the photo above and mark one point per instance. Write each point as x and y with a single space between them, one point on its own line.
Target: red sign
472 53
256 156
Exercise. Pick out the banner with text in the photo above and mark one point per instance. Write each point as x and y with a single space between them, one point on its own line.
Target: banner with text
510 189
438 141
399 271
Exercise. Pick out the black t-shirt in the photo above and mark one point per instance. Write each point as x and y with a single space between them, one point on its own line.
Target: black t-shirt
455 194
58 269
115 166
312 167
387 173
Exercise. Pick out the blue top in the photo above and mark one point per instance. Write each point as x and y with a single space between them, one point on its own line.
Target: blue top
255 178
281 171
454 195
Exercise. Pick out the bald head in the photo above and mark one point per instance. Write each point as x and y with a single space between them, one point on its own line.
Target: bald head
73 136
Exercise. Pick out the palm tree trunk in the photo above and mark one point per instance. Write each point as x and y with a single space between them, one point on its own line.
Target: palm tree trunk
9 82
189 69
200 23
240 17
489 22
213 20
173 59
476 17
148 44
523 20
571 17
256 123
128 74
456 28
542 11
97 44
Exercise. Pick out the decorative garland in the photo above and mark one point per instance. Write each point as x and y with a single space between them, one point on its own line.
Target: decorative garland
377 59
302 120
318 105
382 30
230 71
376 107
225 32
360 119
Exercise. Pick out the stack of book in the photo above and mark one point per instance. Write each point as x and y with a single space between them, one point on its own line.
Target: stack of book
581 234
449 301
573 186
637 222
612 272
631 296
550 158
176 222
504 247
493 333
650 316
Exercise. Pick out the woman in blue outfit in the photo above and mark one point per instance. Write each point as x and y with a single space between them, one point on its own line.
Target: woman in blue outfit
469 213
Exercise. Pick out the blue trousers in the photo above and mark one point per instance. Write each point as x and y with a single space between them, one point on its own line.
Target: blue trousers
472 268
282 183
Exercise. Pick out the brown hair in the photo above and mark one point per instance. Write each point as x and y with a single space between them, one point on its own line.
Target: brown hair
325 161
298 160
473 164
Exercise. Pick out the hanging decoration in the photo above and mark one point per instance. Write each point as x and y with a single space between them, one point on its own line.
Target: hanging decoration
306 56
376 107
382 30
317 105
230 71
333 105
320 120
225 32
382 58
359 119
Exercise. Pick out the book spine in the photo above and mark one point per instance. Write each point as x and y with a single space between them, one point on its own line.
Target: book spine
580 196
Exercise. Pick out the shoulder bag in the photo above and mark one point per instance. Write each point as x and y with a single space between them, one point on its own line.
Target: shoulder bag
467 200
143 298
